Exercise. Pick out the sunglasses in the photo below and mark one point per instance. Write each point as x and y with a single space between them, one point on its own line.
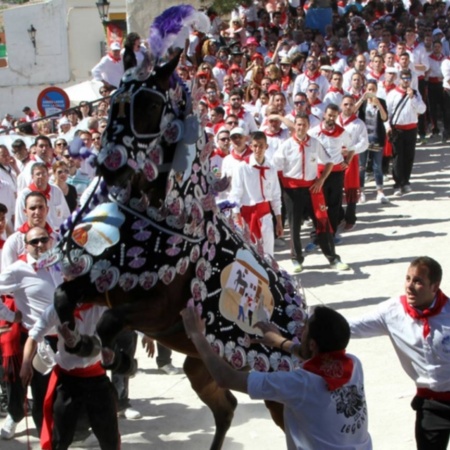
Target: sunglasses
224 139
35 242
313 90
302 102
236 136
406 78
59 144
232 123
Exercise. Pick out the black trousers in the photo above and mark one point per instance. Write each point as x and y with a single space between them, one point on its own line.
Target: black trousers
333 190
404 149
447 112
422 125
432 427
298 207
96 395
436 102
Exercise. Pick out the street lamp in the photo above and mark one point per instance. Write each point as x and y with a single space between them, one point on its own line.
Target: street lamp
103 9
32 34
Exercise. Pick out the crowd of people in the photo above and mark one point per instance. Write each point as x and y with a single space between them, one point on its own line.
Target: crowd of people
303 109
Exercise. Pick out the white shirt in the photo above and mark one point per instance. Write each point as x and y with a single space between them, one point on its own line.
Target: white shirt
409 110
303 81
58 211
108 70
358 131
425 360
314 417
418 55
33 290
333 145
445 69
293 164
274 142
246 185
86 324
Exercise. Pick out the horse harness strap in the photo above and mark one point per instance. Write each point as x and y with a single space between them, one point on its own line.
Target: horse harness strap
155 224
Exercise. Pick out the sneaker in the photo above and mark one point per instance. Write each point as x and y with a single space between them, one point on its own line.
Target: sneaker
310 247
362 198
349 226
381 198
9 428
397 192
130 414
422 141
337 240
406 189
298 267
280 243
339 265
170 369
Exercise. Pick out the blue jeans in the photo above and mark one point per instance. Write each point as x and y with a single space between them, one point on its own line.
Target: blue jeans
377 160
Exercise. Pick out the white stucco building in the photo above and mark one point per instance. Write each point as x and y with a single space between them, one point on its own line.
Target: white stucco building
69 37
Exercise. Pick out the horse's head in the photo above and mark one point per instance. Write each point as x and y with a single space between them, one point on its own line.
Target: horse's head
145 121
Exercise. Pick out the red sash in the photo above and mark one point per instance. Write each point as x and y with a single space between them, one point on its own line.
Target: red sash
252 216
422 316
335 368
47 424
351 180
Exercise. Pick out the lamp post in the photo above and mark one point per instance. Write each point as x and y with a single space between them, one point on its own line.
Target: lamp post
32 34
103 9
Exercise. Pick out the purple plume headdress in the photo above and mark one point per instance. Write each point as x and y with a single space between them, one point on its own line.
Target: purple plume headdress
172 28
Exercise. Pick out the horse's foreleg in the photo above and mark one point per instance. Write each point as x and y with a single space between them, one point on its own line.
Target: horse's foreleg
109 326
276 412
220 401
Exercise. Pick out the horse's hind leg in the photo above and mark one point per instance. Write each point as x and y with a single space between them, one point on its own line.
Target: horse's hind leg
220 401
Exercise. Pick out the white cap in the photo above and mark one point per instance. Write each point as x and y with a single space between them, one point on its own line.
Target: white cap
115 46
392 70
237 130
437 31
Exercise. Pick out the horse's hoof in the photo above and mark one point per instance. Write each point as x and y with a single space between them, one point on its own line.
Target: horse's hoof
108 358
71 337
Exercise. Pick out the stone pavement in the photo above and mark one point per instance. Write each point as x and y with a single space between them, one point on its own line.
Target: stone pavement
386 239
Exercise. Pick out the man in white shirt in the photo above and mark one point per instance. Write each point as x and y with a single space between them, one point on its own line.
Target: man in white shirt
255 189
417 325
404 104
33 288
58 208
313 396
297 159
311 75
110 68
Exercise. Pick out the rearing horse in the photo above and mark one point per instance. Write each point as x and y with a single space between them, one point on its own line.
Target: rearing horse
151 239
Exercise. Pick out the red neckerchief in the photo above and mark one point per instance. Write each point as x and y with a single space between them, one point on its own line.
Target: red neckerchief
437 58
46 192
335 132
356 96
33 158
228 111
2 243
399 89
388 87
301 149
374 75
285 82
335 368
345 122
335 89
113 59
212 105
440 302
80 308
347 52
222 65
312 77
317 101
25 228
277 134
219 152
244 156
262 176
411 49
335 60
